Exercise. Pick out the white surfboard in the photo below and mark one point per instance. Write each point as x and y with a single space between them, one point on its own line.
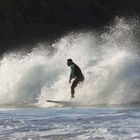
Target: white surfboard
65 103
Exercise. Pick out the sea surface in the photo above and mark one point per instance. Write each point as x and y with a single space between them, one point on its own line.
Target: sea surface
93 123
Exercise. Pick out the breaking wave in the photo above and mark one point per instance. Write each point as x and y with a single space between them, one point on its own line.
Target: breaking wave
110 63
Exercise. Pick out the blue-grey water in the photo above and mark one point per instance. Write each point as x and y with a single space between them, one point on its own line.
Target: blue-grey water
100 123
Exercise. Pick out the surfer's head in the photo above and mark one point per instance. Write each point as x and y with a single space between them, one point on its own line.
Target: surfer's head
69 62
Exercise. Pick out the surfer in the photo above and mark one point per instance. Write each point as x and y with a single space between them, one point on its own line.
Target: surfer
75 74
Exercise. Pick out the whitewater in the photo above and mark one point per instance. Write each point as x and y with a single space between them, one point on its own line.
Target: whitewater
110 63
106 105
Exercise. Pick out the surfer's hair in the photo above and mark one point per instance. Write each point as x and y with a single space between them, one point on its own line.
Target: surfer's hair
69 60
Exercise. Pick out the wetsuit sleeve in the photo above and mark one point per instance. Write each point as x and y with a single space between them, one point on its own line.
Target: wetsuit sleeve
72 72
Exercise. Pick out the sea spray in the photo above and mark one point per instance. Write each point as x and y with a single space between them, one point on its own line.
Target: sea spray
110 67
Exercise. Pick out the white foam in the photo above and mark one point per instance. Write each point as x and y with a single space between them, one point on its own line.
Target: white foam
110 67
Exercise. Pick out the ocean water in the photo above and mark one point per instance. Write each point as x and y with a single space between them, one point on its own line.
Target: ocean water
105 107
96 123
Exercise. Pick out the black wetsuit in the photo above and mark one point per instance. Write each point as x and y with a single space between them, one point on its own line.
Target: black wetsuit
78 75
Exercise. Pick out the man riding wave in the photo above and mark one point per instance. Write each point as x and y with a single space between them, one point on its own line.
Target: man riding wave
75 74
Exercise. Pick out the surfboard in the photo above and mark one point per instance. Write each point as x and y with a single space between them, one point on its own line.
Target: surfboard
65 103
53 101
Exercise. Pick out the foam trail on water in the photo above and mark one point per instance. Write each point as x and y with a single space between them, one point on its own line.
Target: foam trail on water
111 69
